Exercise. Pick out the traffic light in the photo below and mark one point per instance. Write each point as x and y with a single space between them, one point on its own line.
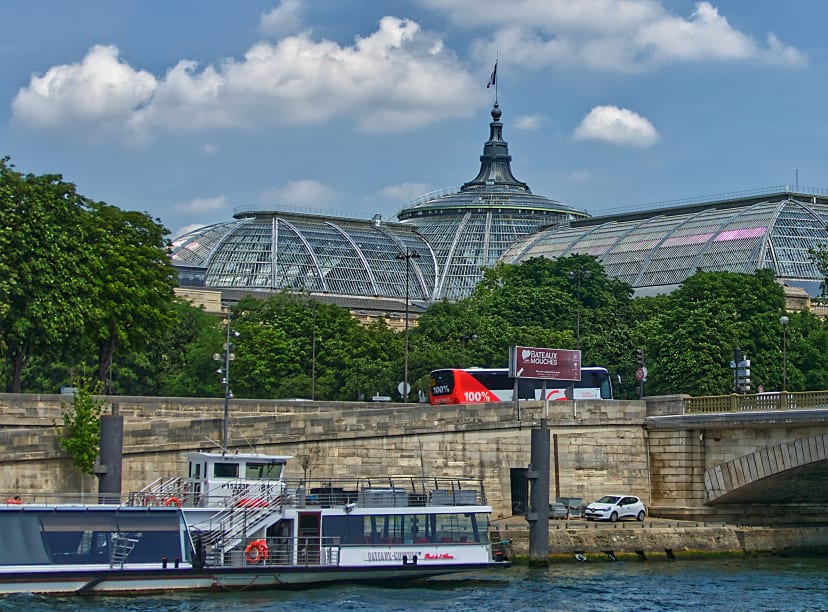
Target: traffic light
639 356
743 375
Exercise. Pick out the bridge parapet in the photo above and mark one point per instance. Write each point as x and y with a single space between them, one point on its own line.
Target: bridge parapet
778 400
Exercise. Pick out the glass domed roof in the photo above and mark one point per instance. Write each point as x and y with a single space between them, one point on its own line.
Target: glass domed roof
656 251
470 227
271 251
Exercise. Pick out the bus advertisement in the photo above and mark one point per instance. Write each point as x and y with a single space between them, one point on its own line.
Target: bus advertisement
479 385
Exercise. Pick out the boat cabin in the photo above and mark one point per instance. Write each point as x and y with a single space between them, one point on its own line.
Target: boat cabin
238 479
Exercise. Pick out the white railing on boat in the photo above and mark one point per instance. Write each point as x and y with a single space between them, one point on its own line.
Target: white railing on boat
388 491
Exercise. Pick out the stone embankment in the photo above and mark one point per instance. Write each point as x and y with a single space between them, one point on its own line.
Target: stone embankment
579 540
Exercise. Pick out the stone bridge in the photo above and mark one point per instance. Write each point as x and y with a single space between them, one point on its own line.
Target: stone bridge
728 466
738 464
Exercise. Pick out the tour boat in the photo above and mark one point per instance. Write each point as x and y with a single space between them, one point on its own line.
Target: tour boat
234 522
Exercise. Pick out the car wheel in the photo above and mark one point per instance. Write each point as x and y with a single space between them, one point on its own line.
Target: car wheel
640 516
613 517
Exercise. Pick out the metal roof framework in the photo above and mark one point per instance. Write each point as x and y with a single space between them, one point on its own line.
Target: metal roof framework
656 254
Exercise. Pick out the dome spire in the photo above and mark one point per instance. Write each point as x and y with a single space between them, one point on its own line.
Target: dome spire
495 163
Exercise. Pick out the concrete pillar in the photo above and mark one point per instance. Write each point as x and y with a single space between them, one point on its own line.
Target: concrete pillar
538 515
112 447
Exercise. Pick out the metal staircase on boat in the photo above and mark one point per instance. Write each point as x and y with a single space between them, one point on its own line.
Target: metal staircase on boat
224 531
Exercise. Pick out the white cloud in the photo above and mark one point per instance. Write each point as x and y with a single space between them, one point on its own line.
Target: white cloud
611 35
202 205
185 230
402 193
617 126
301 193
397 78
285 19
528 122
100 93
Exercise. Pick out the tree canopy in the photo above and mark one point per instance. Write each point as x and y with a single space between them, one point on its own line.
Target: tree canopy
82 280
85 286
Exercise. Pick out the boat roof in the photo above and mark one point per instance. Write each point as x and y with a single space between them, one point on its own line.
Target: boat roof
212 456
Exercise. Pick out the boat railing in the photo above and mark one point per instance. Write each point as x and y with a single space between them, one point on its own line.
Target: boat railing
162 491
223 531
59 499
285 551
222 494
393 492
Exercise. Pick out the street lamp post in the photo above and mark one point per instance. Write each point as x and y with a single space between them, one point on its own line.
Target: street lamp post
579 274
227 357
783 321
407 256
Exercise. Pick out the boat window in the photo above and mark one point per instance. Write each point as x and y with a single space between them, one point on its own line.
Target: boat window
408 528
263 471
226 470
99 536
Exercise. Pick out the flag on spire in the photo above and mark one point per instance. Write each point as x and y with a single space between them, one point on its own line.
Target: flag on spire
493 78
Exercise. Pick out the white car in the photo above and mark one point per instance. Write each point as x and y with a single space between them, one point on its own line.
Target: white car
614 507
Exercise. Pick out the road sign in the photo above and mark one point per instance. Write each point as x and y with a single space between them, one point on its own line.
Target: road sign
641 373
403 389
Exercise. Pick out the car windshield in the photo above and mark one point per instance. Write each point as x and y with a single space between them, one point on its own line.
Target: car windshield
608 499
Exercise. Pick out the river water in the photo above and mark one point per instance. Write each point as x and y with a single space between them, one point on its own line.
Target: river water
732 584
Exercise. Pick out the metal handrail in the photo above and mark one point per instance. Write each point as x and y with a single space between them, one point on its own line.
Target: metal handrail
759 402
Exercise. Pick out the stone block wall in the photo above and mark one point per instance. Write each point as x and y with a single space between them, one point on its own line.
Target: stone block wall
601 445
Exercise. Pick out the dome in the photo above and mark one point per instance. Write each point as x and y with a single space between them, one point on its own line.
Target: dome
273 251
656 251
470 227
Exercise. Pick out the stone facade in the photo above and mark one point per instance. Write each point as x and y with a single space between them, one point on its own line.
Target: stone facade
598 447
601 445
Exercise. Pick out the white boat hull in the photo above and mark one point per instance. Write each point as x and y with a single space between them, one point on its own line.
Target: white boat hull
86 581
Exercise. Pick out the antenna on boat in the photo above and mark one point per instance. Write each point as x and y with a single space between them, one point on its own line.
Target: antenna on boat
213 442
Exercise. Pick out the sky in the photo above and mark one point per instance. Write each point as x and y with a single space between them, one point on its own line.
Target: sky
193 110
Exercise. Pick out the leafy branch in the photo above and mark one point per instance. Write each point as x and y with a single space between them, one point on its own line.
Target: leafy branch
81 433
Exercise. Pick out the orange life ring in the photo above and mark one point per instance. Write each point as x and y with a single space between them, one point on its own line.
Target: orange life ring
256 551
172 500
14 501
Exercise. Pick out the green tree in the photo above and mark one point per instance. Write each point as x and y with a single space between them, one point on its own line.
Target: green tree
43 300
540 302
701 325
293 346
180 363
81 432
132 285
819 257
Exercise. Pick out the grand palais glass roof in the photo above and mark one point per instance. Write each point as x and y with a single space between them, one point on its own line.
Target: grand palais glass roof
469 228
287 251
453 235
655 251
444 240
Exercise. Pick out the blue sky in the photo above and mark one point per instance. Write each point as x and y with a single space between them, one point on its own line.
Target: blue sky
191 109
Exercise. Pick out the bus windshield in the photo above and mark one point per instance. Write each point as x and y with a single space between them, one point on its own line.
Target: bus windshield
477 385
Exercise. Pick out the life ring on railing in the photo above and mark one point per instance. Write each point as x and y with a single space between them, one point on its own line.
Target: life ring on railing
16 501
256 551
172 501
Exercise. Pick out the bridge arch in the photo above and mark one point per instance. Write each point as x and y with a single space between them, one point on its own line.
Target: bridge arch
723 482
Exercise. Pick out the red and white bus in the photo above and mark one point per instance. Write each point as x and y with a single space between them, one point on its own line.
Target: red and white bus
479 385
